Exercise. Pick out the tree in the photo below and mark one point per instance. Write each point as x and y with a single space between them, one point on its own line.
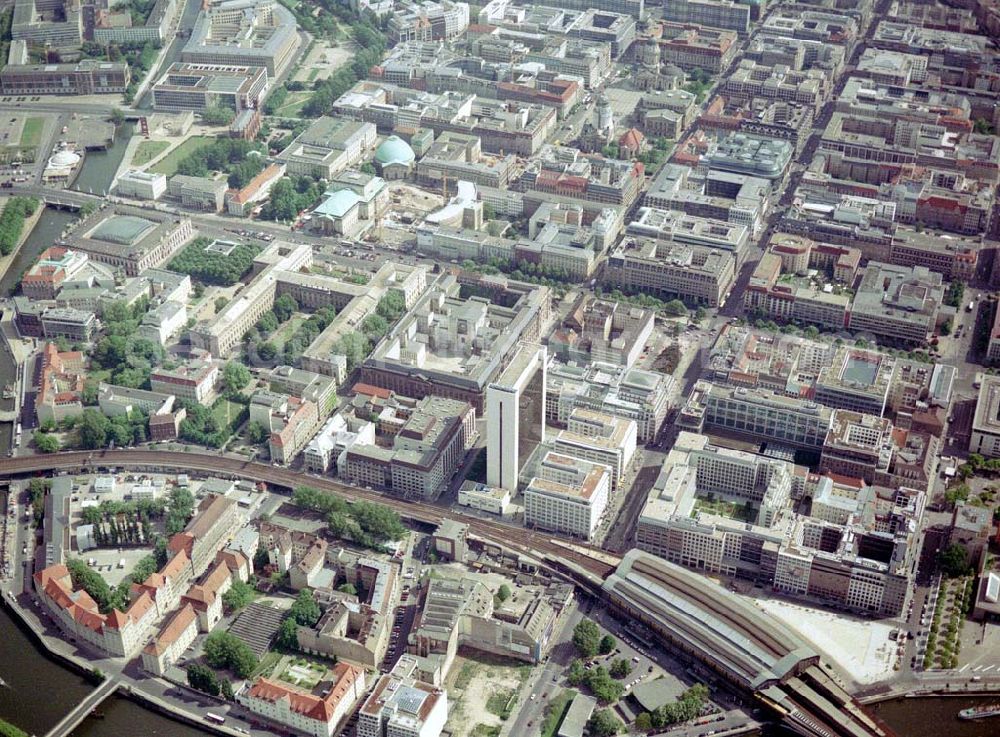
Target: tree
587 638
93 429
603 686
954 561
238 596
226 650
220 304
576 673
391 306
354 346
284 307
257 432
305 610
607 644
202 678
374 327
348 588
288 634
226 689
267 351
620 668
45 443
235 376
675 308
644 722
367 168
117 116
604 724
503 593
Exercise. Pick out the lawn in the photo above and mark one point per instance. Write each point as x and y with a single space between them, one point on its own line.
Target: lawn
302 673
267 664
31 132
169 163
555 711
149 150
224 411
293 105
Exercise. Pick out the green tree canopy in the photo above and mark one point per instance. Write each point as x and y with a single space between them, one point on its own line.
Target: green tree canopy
587 638
603 723
305 610
226 650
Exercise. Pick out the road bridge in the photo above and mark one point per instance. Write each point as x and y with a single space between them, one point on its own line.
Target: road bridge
64 199
754 652
94 699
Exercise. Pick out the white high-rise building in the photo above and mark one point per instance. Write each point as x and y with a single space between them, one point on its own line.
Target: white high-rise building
503 415
568 495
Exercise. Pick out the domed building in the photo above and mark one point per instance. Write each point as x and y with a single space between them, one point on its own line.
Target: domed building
394 158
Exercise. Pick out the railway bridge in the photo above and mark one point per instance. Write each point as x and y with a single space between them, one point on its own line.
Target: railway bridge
752 651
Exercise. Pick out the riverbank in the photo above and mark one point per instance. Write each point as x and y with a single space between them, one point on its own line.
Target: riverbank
59 651
29 225
963 690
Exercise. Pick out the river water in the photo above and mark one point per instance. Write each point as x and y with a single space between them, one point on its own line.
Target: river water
41 692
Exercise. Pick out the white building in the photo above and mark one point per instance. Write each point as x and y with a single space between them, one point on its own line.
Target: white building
599 438
173 640
400 706
503 415
489 499
142 185
568 496
304 711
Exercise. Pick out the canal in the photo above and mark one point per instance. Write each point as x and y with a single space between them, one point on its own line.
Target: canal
99 167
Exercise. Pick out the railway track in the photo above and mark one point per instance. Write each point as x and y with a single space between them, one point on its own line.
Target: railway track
504 535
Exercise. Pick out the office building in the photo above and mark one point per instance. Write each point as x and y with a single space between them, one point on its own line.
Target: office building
401 706
248 33
627 393
522 383
453 347
568 496
599 438
724 14
141 185
758 413
318 711
985 439
198 87
328 146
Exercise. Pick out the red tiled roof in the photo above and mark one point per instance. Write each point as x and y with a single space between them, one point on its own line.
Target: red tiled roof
307 704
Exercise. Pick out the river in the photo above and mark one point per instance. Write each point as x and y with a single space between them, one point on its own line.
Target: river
41 692
99 167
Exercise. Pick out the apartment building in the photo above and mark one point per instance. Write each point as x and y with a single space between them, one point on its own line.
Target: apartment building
195 381
215 522
173 639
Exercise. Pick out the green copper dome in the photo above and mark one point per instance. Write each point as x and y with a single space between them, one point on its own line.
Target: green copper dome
394 150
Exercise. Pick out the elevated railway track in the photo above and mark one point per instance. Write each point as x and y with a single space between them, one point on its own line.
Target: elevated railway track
709 624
